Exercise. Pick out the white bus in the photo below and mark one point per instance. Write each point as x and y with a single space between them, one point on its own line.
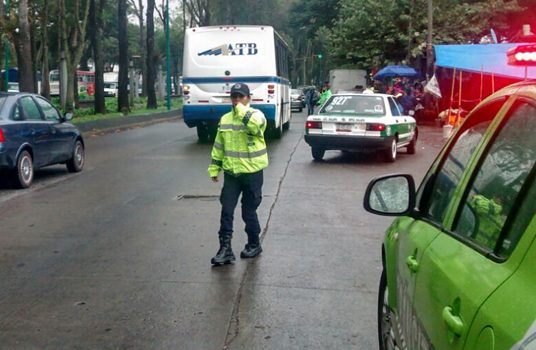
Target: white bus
217 57
86 82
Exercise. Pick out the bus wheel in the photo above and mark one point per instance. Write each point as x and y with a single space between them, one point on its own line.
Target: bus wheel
212 130
278 130
286 126
202 133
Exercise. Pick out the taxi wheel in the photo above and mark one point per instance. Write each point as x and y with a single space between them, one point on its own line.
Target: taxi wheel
386 335
24 173
390 153
412 147
317 153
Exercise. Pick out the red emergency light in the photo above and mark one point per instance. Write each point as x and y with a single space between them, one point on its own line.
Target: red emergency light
524 55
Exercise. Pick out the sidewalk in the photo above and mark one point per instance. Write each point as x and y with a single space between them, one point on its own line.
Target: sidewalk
106 126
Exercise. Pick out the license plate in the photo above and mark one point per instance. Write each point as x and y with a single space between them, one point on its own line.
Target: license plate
360 127
346 127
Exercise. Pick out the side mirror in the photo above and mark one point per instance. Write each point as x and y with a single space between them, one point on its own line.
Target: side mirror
68 116
390 195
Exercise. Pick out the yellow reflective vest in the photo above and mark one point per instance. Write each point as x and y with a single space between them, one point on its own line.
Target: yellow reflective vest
239 146
324 96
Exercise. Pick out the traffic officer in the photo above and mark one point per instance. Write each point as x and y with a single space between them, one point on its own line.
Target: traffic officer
240 151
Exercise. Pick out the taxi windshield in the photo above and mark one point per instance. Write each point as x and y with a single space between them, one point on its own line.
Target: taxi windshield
361 105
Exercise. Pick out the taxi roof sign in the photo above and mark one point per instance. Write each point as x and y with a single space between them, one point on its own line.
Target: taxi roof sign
524 55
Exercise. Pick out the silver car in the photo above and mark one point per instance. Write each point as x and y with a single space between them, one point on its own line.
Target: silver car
297 99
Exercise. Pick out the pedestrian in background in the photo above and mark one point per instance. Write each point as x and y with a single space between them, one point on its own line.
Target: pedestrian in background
310 101
325 95
240 151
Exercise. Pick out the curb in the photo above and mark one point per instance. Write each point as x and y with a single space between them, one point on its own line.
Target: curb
109 126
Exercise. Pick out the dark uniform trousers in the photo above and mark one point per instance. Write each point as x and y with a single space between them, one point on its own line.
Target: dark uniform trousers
250 185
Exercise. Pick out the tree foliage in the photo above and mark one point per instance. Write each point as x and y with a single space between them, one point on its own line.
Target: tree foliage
369 33
349 33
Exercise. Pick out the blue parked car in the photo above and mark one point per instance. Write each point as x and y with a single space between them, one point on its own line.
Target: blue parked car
34 134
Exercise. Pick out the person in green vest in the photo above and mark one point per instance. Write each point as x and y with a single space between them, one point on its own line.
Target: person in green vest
240 151
490 219
325 95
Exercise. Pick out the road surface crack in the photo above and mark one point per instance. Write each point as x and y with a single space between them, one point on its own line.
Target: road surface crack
234 324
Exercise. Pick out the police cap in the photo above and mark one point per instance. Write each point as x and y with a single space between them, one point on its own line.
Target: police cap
240 89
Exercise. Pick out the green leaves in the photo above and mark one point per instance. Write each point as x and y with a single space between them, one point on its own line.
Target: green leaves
369 33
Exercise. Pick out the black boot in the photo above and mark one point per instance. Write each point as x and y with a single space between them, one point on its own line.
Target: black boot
225 254
252 249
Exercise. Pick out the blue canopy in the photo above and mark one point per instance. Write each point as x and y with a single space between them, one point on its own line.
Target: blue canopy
396 71
486 58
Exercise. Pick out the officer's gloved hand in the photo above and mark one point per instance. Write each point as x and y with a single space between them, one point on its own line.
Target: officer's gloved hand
241 110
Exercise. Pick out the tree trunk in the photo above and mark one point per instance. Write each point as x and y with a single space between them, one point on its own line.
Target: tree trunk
96 38
36 52
24 49
45 83
143 51
122 96
151 71
73 44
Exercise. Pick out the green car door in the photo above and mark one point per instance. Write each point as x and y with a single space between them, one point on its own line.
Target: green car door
408 238
464 265
512 324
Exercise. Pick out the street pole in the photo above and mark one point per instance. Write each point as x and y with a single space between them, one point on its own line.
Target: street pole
63 81
6 54
304 70
131 78
168 53
307 54
429 60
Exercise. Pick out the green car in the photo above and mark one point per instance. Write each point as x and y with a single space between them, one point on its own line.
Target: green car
459 262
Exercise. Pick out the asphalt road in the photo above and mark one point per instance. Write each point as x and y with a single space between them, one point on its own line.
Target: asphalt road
118 256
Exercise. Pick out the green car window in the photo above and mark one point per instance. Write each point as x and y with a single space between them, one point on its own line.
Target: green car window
449 173
493 193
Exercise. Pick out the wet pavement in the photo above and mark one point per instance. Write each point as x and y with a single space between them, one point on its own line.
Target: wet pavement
118 256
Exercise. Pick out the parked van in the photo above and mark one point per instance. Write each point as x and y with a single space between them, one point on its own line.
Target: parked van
111 85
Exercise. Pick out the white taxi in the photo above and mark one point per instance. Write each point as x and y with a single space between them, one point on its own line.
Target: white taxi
361 122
